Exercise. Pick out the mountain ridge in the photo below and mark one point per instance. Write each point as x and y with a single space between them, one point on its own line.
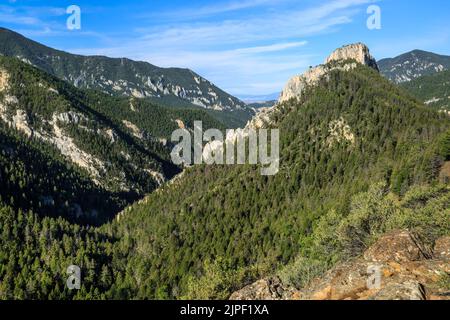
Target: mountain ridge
412 65
358 156
122 76
120 144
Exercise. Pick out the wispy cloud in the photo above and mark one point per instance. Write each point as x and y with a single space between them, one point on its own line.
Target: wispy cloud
211 10
249 53
36 18
253 50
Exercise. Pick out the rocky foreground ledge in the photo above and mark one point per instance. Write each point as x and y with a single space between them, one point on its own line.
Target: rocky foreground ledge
409 271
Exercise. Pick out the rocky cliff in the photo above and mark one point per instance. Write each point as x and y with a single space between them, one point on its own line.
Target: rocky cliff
345 58
342 58
405 267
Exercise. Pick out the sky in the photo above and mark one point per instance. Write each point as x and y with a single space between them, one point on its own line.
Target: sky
246 47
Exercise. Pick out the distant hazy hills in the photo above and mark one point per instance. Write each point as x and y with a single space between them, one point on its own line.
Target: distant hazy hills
124 77
412 65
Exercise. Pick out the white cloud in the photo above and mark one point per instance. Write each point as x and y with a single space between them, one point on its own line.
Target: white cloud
220 50
254 52
211 10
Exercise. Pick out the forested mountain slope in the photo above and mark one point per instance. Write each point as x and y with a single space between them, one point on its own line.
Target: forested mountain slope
124 77
433 90
351 131
352 146
412 65
63 147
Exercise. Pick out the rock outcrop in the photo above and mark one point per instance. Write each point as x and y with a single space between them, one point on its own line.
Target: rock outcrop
397 267
345 59
4 77
266 289
357 53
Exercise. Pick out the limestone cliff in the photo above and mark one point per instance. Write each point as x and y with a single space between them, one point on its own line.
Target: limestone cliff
358 53
345 58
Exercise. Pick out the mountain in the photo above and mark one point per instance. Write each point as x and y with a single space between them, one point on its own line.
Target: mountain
358 158
124 77
263 104
412 65
342 134
71 145
249 99
433 90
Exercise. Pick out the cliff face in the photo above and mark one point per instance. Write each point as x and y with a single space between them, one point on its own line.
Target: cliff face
407 270
357 52
345 58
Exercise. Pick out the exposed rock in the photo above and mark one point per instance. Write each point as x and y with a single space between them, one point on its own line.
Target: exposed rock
358 51
67 147
339 131
134 129
409 290
158 176
442 249
338 60
20 122
180 124
70 117
265 289
397 246
11 100
112 135
397 267
4 78
345 59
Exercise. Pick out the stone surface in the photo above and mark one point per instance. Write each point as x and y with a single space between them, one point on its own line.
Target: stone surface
337 60
358 51
442 249
265 289
396 267
397 246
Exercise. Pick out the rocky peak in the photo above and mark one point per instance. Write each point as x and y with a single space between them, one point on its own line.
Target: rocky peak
344 58
358 51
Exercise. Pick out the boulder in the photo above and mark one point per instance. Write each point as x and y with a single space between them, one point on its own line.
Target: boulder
265 289
397 246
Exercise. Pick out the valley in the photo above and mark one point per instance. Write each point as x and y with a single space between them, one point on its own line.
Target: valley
87 179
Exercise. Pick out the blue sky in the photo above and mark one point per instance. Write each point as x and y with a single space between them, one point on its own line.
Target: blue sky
246 47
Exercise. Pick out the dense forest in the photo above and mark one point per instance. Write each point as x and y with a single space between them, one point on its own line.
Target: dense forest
125 140
359 157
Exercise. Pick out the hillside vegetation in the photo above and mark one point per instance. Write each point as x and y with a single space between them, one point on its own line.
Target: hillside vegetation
81 153
358 156
433 90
